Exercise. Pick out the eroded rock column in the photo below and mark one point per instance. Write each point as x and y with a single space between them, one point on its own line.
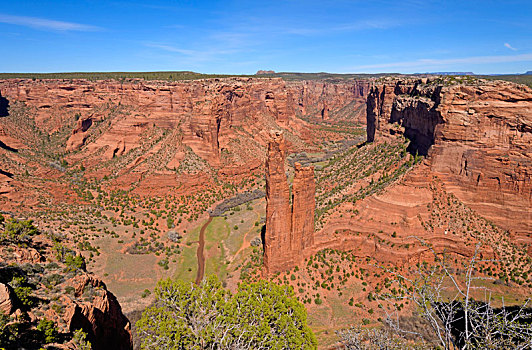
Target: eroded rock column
303 206
289 229
278 216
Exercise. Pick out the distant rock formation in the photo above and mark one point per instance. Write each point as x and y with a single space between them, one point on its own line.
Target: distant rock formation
478 137
289 229
79 134
110 119
262 72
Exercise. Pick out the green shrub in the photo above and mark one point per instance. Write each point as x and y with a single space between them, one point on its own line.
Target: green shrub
259 314
75 262
23 291
18 231
48 331
79 340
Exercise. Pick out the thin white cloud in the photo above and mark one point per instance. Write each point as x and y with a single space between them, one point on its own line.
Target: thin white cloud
367 24
172 49
42 23
427 62
346 27
200 55
510 47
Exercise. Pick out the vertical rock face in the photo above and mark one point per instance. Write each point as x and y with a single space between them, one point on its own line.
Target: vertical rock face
478 137
278 216
303 206
289 231
318 98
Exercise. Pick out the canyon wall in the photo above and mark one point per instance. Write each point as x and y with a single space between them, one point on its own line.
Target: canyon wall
209 116
477 136
207 111
338 101
289 229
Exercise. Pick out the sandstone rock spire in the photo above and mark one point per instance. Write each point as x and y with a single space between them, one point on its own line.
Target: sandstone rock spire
278 218
289 230
303 206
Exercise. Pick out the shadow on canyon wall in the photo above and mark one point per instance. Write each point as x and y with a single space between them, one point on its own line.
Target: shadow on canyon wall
4 106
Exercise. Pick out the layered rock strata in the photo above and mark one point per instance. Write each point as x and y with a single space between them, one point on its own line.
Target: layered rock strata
325 100
478 136
303 207
289 228
208 112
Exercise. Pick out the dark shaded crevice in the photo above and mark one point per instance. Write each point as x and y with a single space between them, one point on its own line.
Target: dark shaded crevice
86 124
518 100
218 125
419 127
263 237
7 148
4 106
6 173
419 144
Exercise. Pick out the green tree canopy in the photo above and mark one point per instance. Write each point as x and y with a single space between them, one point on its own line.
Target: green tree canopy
260 315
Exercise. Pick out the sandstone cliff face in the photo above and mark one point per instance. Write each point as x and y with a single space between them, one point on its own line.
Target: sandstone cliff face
319 98
289 231
478 138
79 134
206 111
7 299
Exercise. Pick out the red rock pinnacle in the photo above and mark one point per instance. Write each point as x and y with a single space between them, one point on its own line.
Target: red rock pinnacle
289 231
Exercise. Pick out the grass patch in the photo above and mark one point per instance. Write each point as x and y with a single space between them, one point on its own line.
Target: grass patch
215 255
187 264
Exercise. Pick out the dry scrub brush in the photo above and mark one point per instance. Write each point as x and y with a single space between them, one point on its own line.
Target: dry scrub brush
444 297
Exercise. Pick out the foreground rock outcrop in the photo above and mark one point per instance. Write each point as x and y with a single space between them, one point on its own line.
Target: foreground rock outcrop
289 228
44 279
478 137
102 319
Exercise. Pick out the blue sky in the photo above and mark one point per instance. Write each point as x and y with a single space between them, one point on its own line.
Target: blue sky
231 36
